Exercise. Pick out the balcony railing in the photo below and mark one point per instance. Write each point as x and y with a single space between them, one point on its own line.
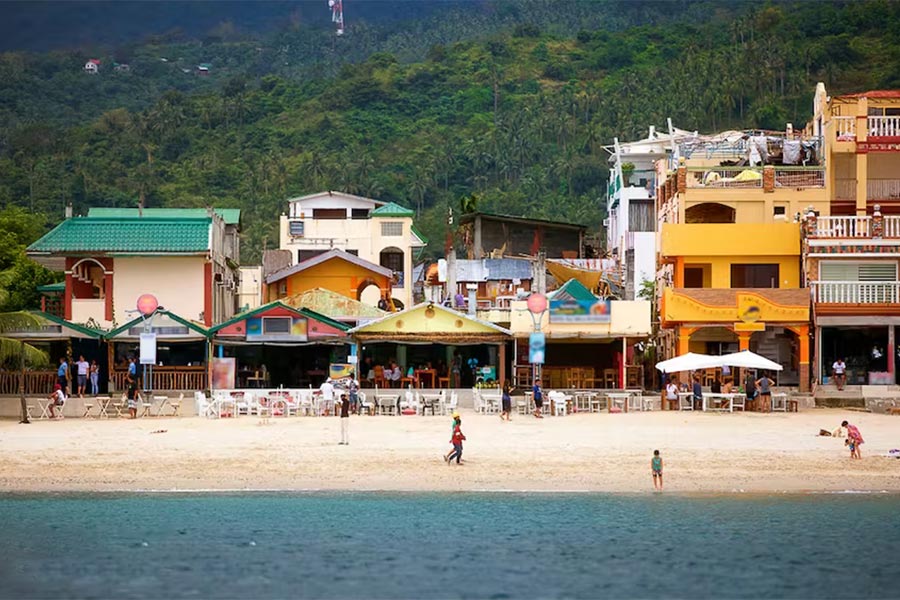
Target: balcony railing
856 292
844 128
883 189
843 227
884 126
800 177
724 177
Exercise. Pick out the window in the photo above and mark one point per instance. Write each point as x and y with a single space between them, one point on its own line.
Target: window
857 271
754 276
303 255
353 252
276 325
392 228
359 213
282 289
693 277
392 258
296 228
780 211
329 213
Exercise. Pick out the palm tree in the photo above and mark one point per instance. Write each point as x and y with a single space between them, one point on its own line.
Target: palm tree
16 350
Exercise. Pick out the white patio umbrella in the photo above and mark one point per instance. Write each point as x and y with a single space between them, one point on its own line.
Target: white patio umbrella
689 362
748 360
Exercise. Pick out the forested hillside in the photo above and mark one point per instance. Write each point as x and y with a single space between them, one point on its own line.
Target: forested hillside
516 113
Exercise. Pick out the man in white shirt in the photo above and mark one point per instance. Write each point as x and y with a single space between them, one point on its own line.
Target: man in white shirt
327 391
83 368
57 399
839 373
672 394
395 375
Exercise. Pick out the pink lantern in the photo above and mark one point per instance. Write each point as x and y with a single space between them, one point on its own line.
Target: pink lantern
147 304
537 303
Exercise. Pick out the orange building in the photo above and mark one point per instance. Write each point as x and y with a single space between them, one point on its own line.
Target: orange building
334 270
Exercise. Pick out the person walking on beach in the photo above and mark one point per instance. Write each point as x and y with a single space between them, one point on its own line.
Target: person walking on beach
133 397
455 418
457 441
854 439
656 468
839 373
345 420
538 395
506 400
82 367
765 393
95 378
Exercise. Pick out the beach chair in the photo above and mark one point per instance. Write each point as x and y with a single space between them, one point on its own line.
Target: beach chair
477 400
87 410
176 405
244 403
451 405
635 401
559 403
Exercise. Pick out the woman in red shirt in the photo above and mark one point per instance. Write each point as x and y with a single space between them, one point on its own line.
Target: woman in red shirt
457 441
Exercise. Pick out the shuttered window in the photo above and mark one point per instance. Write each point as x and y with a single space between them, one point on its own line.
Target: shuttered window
857 271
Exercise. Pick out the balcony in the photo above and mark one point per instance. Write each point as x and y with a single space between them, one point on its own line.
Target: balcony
84 310
844 228
724 177
856 292
883 127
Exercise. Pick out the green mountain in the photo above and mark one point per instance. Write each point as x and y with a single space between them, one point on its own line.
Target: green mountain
514 113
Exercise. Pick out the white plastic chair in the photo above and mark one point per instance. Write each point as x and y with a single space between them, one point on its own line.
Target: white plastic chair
739 401
478 401
205 408
451 405
685 402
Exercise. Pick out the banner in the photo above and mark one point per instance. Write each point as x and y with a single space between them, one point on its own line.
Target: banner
536 344
580 311
340 370
223 371
148 349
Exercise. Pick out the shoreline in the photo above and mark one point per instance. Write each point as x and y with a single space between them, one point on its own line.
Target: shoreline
712 455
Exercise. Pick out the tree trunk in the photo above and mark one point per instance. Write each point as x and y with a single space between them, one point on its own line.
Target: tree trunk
22 402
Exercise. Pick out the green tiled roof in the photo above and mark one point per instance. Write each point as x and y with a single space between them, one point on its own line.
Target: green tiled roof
419 234
125 236
231 216
392 210
575 290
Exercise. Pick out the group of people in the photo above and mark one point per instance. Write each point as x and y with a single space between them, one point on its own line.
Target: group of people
758 391
85 371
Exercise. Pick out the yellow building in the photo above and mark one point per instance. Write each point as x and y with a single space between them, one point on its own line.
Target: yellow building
730 270
335 270
851 257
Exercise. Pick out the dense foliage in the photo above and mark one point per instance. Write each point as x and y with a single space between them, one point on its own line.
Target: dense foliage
514 113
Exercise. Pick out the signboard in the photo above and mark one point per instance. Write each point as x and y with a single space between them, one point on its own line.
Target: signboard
580 311
286 329
223 371
536 344
148 348
340 370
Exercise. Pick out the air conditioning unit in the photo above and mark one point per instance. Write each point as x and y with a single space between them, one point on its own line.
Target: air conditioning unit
606 222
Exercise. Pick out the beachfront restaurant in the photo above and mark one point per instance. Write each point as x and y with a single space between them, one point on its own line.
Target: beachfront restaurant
589 340
181 353
426 341
277 345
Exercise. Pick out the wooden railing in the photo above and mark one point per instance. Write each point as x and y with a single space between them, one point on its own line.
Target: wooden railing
883 189
884 126
170 378
857 292
844 128
36 382
845 189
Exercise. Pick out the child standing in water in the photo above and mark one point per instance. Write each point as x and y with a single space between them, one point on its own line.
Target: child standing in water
656 467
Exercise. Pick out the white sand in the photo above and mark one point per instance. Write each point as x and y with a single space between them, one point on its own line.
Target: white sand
703 453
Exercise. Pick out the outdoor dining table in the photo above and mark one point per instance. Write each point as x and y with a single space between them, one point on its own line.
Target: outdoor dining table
779 399
491 401
616 398
388 403
44 404
103 403
724 400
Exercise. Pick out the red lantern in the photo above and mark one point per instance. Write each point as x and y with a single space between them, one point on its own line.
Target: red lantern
147 304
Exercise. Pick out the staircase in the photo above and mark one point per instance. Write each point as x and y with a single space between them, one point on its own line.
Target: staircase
776 346
828 396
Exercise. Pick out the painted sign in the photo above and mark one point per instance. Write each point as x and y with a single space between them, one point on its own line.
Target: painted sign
223 371
340 370
148 348
536 344
580 311
291 329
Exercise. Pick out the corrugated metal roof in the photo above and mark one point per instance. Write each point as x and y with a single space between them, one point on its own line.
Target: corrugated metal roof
125 236
493 269
392 209
231 216
334 305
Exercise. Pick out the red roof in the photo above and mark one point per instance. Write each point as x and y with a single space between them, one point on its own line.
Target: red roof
874 94
95 61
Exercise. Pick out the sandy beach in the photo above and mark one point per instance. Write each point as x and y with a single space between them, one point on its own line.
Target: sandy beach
703 453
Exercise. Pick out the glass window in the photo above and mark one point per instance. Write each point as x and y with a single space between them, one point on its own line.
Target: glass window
754 276
392 228
276 325
359 213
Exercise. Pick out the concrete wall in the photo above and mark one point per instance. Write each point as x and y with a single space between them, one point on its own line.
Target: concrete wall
177 283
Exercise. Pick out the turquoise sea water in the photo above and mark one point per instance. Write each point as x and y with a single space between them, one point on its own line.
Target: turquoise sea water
378 545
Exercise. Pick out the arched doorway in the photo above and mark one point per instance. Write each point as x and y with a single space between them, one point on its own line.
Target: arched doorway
392 258
368 292
709 212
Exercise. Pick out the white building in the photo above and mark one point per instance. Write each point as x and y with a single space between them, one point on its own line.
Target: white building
379 232
631 208
92 67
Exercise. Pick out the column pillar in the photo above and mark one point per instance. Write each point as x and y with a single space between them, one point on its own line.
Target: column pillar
108 296
678 275
501 367
862 160
684 339
802 332
67 296
891 353
744 340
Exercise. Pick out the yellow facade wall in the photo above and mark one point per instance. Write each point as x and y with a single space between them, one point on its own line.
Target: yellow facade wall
717 269
730 239
336 275
755 205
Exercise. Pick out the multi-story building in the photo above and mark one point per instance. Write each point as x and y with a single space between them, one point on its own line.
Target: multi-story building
634 173
187 259
378 232
852 243
730 274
